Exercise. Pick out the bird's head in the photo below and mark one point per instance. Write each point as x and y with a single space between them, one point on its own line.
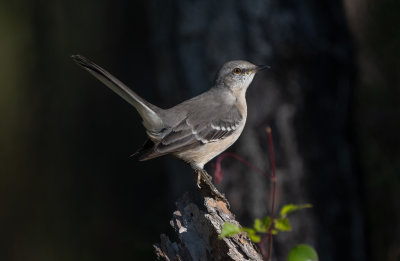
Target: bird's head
237 75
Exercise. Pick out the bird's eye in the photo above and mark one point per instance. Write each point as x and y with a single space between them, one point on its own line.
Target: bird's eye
237 70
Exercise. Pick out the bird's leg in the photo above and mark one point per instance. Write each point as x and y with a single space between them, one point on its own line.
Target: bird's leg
201 173
203 176
198 178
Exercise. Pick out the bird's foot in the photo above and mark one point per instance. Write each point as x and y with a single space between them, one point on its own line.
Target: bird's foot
202 174
204 177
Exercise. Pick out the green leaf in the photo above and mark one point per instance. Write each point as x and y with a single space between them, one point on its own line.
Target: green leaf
252 234
302 253
267 221
289 208
282 224
229 229
259 226
262 226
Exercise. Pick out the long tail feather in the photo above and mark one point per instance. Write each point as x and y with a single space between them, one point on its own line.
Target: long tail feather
151 120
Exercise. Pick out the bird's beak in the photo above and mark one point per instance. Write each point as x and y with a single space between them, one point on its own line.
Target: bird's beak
262 67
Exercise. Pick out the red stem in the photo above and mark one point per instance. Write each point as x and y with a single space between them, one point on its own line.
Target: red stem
273 190
262 245
245 162
218 174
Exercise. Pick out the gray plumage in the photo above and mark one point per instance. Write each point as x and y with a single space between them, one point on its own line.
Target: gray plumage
195 130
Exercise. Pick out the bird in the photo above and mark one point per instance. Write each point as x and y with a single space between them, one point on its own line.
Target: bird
195 130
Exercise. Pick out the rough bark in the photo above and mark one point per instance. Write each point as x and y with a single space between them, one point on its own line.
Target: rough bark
197 229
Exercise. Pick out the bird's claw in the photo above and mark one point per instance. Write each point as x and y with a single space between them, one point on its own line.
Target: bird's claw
202 175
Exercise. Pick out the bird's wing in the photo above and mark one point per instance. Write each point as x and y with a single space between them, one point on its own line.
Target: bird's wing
197 129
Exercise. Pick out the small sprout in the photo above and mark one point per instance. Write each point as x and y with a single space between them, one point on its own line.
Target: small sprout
282 224
260 226
229 229
267 221
289 208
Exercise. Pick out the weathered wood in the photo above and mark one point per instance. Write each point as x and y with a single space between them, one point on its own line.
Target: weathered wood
197 234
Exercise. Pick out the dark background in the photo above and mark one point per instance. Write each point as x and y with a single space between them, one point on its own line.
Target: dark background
70 191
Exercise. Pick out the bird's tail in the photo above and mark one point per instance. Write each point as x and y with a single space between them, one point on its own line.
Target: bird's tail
151 119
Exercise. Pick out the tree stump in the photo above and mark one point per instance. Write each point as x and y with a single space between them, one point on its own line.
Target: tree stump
197 233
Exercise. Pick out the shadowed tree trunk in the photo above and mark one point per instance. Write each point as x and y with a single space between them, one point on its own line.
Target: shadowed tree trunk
306 98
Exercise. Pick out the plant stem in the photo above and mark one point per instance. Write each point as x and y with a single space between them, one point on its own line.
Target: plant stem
262 245
218 173
273 190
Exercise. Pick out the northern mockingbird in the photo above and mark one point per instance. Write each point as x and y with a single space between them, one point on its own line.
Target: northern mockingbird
197 129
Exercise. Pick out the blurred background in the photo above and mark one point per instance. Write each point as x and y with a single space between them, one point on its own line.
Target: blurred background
69 189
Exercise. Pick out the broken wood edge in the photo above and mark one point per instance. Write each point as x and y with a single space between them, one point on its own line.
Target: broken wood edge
197 234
